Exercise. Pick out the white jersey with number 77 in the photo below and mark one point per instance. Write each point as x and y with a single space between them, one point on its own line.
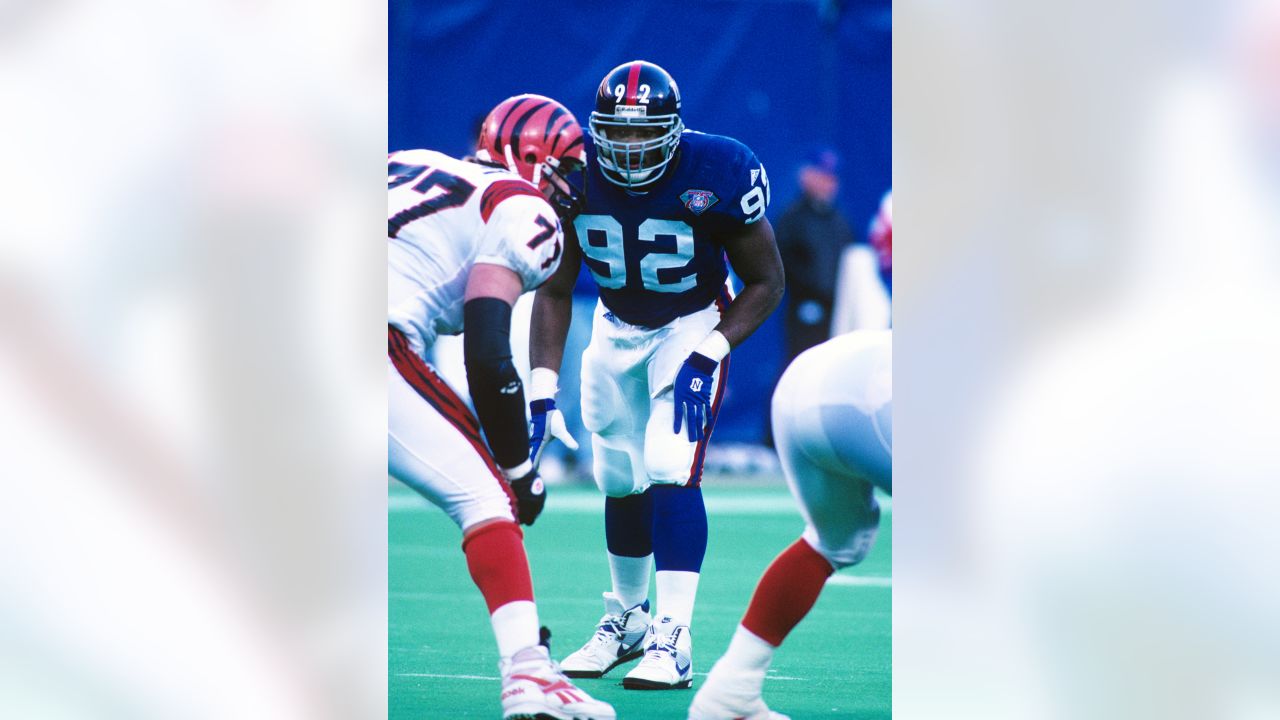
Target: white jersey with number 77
444 215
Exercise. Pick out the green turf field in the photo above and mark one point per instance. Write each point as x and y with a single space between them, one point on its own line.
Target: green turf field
442 657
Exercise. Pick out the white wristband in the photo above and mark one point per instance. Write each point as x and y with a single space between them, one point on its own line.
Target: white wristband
714 347
543 383
518 471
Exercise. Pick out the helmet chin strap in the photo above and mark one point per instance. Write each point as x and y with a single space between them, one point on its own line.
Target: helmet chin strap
640 177
511 159
635 178
511 165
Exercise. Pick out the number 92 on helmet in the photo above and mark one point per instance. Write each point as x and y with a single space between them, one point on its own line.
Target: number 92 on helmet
636 124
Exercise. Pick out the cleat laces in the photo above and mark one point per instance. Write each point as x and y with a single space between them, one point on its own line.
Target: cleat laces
658 648
609 629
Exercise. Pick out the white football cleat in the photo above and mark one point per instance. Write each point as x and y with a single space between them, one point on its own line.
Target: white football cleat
619 638
534 689
668 659
729 694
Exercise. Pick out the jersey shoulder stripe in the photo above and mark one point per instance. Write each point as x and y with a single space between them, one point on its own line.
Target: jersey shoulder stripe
501 190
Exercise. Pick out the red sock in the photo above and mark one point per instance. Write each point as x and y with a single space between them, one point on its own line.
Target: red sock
498 565
786 592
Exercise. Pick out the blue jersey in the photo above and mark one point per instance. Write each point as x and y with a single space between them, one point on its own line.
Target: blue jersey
659 255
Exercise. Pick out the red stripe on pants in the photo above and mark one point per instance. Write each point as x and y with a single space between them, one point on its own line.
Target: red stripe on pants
700 452
440 396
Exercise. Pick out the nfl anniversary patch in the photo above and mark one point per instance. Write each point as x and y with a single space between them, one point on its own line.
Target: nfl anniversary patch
698 200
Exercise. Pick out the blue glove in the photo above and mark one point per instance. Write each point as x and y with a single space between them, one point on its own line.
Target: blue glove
543 415
692 394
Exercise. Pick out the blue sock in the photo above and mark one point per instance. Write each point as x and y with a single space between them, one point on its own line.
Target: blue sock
679 528
628 525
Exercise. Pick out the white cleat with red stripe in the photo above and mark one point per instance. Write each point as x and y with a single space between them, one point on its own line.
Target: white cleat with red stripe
534 689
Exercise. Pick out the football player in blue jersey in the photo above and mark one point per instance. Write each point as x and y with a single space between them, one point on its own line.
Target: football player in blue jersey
664 207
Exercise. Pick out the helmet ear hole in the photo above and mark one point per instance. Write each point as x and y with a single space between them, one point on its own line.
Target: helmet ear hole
530 158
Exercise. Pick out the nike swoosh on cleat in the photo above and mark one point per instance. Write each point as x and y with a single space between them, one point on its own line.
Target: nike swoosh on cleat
624 649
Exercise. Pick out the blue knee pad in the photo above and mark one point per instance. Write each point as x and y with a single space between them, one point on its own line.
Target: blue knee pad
628 525
679 527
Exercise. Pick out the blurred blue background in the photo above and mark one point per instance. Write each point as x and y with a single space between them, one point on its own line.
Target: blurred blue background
783 76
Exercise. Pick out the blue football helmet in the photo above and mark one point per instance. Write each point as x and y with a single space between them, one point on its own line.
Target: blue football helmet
636 125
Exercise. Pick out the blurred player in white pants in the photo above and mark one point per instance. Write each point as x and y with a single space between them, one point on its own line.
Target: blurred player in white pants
465 238
833 425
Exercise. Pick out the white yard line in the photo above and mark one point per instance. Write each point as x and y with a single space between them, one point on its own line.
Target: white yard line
860 581
448 677
445 676
577 503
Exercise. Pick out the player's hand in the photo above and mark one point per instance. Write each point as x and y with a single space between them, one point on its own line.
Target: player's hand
546 424
531 495
692 395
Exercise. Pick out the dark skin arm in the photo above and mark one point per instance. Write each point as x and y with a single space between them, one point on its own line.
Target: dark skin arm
553 307
753 254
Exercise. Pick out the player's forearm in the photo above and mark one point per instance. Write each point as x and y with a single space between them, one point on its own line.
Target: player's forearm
749 310
496 390
754 256
548 328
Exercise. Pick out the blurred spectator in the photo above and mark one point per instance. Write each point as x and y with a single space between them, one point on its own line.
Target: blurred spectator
864 290
812 235
880 237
